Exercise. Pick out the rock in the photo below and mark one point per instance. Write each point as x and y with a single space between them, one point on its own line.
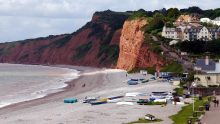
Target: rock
134 53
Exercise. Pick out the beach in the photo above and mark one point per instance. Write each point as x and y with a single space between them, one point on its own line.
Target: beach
92 82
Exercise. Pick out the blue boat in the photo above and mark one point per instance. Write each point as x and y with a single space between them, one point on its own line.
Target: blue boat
132 82
115 97
98 102
70 100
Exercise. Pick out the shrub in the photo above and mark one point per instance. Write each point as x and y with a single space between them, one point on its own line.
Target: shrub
82 50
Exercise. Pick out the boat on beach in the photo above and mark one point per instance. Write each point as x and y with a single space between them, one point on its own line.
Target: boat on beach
100 101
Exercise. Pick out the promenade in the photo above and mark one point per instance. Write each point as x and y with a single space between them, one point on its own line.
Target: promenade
212 116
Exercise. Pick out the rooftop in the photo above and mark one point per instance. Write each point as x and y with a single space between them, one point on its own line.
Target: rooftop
217 19
201 63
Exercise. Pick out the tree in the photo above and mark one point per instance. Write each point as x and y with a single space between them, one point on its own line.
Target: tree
173 13
193 9
156 23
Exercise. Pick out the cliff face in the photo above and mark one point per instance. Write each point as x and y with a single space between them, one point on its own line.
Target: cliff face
95 44
134 53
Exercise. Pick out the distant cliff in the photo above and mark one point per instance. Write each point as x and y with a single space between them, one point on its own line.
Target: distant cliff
95 44
134 52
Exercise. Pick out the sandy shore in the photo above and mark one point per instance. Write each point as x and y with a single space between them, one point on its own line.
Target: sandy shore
98 82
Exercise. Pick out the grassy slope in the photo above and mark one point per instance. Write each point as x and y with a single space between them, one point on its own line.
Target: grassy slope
174 67
187 111
143 121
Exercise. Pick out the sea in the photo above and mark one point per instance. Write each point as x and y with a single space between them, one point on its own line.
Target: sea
19 83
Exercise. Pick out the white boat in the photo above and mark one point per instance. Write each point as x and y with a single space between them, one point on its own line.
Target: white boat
160 100
125 103
134 94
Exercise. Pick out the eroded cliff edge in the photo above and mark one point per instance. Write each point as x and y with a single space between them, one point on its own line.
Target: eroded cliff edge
134 52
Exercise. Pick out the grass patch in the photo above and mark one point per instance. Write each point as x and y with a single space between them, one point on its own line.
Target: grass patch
138 15
179 91
155 103
187 111
108 53
63 41
142 121
154 45
173 67
150 70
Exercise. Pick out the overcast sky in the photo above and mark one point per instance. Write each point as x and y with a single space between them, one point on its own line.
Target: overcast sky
22 19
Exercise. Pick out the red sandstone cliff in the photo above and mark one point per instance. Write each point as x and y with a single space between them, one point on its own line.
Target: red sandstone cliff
134 53
95 44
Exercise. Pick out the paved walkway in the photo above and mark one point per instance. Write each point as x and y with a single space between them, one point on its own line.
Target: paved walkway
212 116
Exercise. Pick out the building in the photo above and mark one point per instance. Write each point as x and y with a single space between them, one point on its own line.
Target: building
209 79
205 65
205 20
183 19
191 33
171 33
216 21
217 68
188 28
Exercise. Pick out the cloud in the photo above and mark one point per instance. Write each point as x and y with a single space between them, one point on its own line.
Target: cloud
21 19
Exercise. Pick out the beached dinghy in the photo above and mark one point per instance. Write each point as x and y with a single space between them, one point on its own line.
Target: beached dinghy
89 99
70 100
98 102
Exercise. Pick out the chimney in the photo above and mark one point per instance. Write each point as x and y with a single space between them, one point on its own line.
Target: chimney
206 60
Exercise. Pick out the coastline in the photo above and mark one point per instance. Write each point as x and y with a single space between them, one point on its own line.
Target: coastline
70 86
99 82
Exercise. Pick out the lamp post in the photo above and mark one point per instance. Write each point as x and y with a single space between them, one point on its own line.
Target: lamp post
193 85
